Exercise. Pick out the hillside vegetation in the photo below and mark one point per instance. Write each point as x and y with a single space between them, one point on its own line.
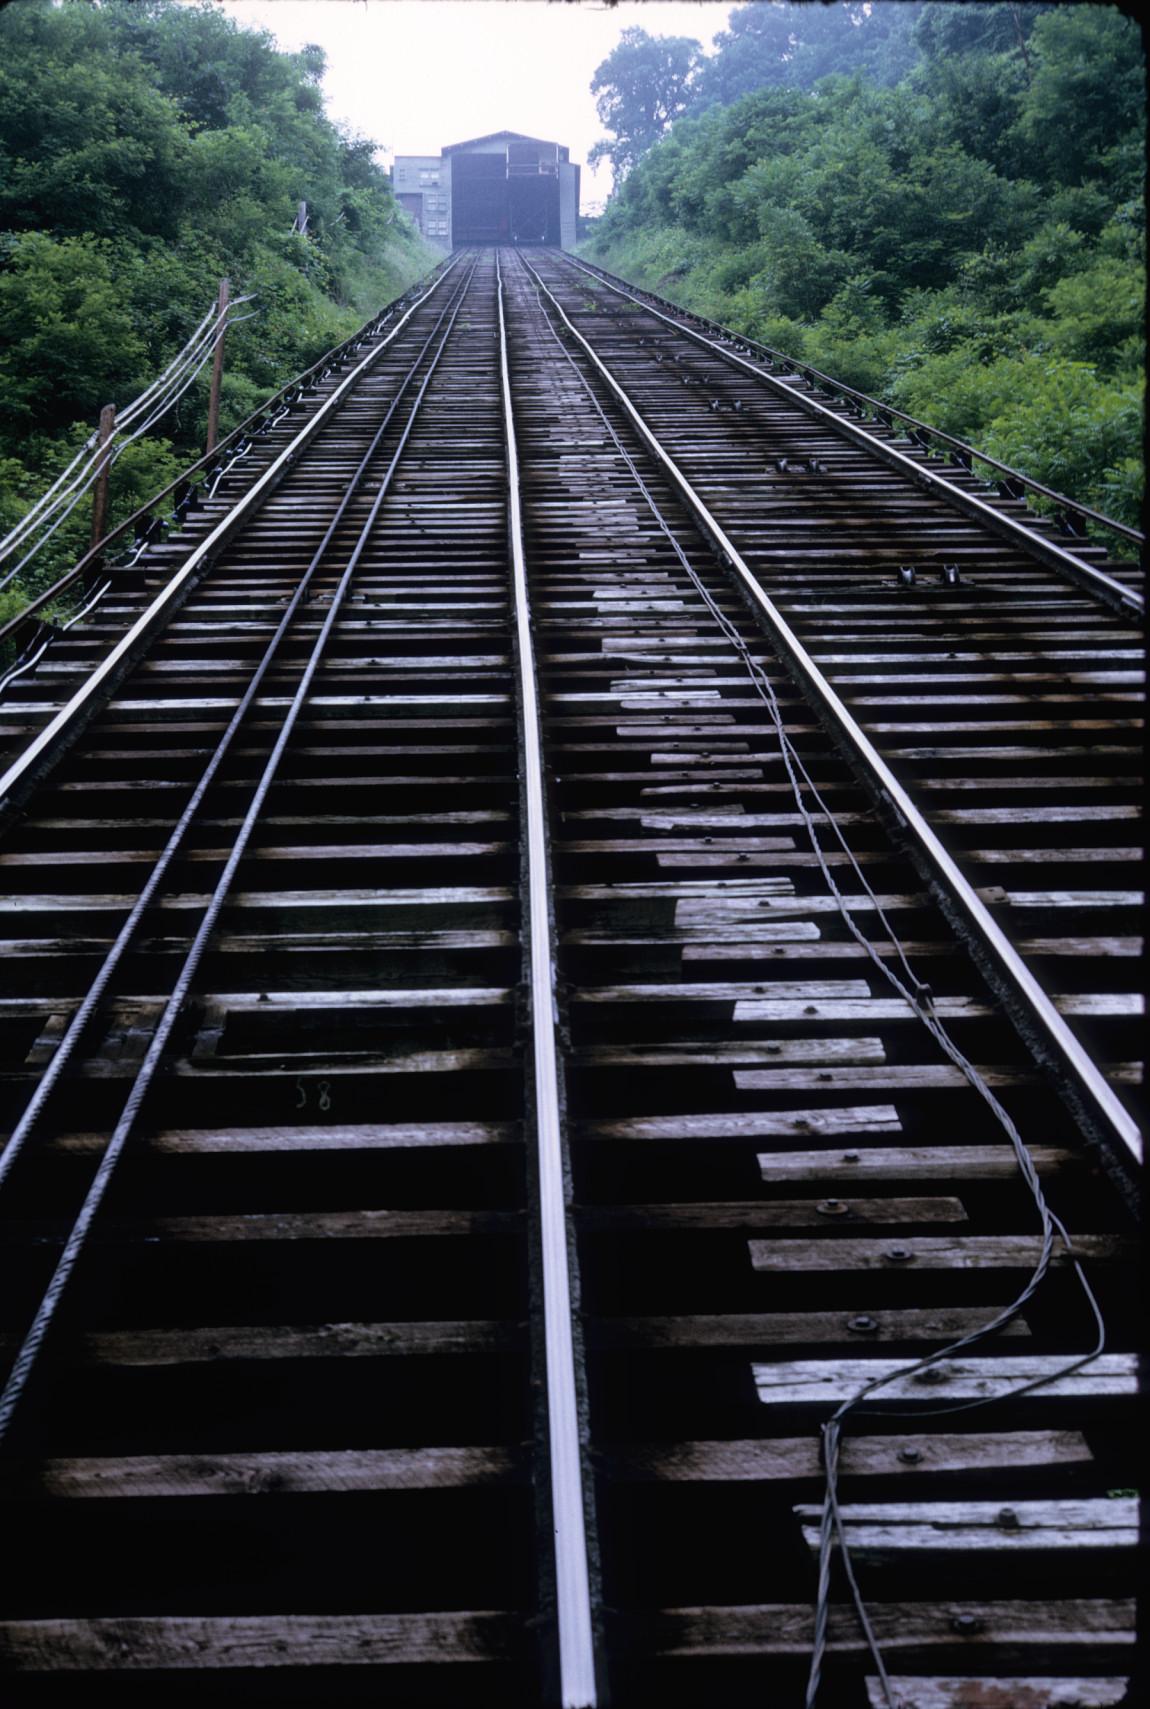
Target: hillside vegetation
939 204
147 149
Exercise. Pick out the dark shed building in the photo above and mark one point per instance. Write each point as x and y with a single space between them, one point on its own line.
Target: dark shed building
508 188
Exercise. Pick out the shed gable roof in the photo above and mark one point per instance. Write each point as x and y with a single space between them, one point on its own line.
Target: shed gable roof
499 136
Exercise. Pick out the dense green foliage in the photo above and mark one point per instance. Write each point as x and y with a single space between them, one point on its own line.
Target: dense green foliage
641 90
951 219
796 45
147 149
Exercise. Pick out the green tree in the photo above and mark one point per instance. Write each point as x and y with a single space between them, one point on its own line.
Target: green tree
68 338
967 242
147 148
777 43
641 88
1082 116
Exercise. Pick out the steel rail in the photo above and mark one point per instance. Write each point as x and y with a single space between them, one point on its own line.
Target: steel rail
807 371
209 461
90 696
26 1358
1096 582
1043 1028
123 940
572 1568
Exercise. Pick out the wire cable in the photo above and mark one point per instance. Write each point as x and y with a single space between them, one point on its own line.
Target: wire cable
156 401
126 416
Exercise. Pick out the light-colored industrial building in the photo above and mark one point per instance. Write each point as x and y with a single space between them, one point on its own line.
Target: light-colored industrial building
503 188
423 190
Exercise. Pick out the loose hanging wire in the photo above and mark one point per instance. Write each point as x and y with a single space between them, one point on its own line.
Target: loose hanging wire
23 666
919 996
46 500
200 339
62 488
155 401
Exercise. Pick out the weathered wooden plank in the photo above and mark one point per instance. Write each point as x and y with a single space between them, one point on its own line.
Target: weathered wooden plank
799 1458
808 1052
757 1124
316 1225
1075 855
220 1344
941 1324
419 997
756 943
324 1471
910 1163
734 818
364 1137
257 1641
1067 898
914 1691
677 845
276 820
901 1628
929 1252
878 1529
872 1009
763 944
771 1213
310 1066
745 904
806 1382
714 893
362 940
799 860
797 990
291 852
1075 814
892 1077
438 901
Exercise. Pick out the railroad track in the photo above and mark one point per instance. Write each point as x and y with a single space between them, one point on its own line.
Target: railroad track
534 957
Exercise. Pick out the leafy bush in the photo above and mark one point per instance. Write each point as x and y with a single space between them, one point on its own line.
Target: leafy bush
959 230
146 150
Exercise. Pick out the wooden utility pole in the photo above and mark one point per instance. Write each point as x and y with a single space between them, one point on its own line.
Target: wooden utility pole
100 490
217 366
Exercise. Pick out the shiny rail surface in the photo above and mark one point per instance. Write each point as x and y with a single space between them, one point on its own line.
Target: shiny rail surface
495 1146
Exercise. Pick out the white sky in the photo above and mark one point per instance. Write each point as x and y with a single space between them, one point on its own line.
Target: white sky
415 75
